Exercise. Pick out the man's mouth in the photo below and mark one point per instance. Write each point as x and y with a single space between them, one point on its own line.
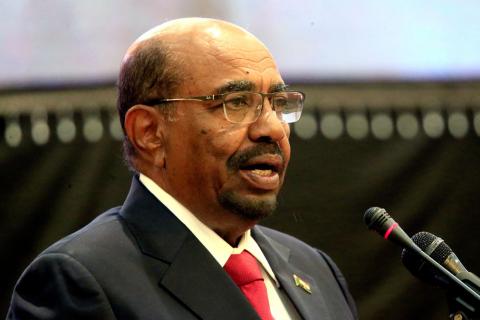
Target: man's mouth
263 172
262 169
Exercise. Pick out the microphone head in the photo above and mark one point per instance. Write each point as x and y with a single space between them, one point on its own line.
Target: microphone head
433 246
375 218
379 220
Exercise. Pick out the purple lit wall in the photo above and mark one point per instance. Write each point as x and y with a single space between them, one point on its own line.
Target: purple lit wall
55 41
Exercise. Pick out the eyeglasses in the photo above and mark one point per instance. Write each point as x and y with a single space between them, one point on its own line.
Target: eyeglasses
246 107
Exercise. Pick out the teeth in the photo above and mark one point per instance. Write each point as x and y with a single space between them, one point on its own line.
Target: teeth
259 172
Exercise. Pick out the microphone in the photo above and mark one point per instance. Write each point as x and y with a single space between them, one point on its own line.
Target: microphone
379 220
464 297
436 248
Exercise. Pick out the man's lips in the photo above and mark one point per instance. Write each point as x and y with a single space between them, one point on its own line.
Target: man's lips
263 171
266 181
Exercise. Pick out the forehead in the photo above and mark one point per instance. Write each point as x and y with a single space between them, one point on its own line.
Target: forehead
219 58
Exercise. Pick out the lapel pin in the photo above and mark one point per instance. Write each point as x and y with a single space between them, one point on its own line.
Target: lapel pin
299 282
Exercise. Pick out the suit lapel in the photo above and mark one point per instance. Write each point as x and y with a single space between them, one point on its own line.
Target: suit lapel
192 275
198 280
309 305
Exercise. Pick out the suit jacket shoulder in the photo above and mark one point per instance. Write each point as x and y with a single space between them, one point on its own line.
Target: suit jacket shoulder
132 262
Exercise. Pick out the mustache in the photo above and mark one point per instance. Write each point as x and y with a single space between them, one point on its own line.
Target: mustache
240 158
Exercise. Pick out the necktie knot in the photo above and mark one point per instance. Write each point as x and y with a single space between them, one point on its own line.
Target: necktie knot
243 268
245 272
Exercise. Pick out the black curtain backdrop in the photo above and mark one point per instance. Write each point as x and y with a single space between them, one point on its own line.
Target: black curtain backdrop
426 184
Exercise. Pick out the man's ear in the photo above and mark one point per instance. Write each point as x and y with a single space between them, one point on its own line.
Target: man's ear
144 127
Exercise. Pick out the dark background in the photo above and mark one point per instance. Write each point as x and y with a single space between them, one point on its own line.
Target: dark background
425 183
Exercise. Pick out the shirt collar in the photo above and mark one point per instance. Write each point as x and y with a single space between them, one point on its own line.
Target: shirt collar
218 248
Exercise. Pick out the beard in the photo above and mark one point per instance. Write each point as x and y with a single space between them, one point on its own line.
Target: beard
248 207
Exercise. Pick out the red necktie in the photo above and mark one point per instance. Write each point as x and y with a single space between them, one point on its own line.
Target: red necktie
245 272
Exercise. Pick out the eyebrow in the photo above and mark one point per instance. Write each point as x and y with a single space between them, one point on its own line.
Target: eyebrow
278 87
235 85
246 85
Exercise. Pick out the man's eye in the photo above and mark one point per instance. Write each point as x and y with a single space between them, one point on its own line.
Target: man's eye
237 102
281 101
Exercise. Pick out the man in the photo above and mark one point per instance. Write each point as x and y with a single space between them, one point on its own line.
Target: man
205 113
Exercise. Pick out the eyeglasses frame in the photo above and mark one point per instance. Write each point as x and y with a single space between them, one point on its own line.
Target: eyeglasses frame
215 97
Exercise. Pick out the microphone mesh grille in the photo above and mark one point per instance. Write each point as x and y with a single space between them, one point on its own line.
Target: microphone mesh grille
424 239
415 264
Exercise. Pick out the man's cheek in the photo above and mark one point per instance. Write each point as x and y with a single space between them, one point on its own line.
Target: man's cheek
287 130
225 143
284 145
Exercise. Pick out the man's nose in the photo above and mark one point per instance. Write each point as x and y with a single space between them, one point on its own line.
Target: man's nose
268 126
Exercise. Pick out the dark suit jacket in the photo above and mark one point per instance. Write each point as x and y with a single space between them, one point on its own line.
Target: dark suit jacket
139 262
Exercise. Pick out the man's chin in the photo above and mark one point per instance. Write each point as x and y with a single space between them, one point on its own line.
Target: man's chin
250 207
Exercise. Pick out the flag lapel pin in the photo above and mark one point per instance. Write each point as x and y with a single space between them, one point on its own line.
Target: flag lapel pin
299 282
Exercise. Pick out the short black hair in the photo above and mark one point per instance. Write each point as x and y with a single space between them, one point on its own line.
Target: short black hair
150 72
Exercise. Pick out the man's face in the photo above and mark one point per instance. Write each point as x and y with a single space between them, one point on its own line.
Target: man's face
213 165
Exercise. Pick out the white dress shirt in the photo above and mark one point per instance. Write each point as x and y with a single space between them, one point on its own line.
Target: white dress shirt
280 306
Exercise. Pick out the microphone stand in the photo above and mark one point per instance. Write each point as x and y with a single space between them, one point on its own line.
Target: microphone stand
461 309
